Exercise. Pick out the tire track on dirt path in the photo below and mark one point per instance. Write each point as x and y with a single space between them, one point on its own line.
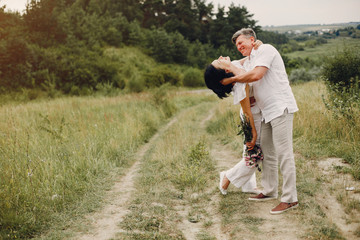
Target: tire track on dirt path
104 224
347 221
191 229
213 208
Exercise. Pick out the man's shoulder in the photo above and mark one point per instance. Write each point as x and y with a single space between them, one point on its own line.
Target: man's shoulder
266 47
265 50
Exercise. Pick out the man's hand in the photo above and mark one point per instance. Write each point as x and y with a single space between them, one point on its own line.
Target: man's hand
227 81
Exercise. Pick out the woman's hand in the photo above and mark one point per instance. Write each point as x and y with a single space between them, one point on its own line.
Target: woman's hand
250 145
257 44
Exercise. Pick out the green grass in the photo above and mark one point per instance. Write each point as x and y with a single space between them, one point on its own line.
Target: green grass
317 133
327 49
58 156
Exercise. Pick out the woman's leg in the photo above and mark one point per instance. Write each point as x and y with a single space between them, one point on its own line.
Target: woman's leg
240 174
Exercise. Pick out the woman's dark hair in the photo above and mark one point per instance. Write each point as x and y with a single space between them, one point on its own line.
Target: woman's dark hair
213 76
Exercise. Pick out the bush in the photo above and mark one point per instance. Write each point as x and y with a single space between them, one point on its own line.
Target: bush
136 84
303 75
160 76
193 77
341 68
298 62
341 74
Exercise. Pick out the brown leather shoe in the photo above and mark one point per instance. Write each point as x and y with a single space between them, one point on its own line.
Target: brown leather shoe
261 197
283 206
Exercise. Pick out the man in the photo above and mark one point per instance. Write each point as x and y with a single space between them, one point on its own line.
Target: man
266 72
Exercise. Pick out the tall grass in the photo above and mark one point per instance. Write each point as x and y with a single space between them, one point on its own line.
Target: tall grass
55 155
319 134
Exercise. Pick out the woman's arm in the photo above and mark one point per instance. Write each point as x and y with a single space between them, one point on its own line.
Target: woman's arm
245 105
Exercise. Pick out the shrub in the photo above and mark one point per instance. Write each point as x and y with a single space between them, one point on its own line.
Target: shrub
341 74
193 77
301 75
136 84
161 75
342 67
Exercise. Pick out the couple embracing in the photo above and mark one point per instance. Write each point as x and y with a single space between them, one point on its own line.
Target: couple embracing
260 84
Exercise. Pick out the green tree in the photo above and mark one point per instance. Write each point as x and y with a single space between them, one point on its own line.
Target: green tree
41 22
158 41
14 68
273 38
220 30
183 18
130 9
239 17
180 48
204 14
153 12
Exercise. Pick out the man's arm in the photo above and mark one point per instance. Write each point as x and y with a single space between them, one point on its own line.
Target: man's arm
254 75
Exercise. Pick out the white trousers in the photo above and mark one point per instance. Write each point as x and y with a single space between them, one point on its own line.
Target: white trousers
241 175
277 145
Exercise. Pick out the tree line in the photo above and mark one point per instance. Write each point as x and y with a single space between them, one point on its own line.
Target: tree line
60 43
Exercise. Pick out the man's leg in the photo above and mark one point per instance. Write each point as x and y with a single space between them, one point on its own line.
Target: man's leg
283 144
269 179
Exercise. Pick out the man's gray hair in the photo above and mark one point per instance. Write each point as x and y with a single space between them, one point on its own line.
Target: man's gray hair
247 32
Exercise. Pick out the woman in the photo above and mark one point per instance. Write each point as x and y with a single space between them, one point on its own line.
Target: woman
240 175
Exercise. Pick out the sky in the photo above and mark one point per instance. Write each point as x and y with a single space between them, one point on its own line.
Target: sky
276 12
294 12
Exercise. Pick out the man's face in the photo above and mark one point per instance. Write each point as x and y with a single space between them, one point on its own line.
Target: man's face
244 45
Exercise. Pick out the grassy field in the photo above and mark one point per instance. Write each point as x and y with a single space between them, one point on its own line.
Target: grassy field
58 156
328 49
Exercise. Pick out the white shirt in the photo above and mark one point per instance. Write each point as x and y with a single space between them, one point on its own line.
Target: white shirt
273 93
239 90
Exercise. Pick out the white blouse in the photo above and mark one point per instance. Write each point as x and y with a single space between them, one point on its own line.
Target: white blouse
238 90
